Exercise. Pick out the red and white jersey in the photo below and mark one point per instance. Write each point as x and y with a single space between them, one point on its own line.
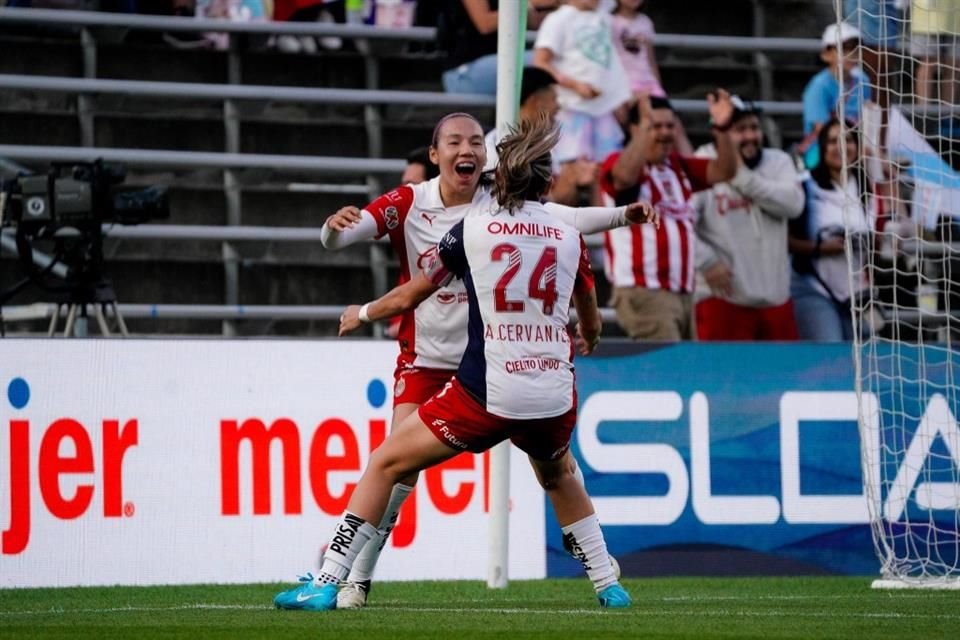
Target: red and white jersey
642 255
519 272
415 219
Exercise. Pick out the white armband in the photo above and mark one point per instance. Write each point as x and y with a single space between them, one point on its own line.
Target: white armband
363 314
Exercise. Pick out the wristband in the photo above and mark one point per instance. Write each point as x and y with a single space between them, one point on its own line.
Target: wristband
363 313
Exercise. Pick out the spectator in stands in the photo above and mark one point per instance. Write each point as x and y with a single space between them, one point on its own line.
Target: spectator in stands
467 33
176 39
538 94
633 38
652 273
419 167
575 45
392 14
233 10
743 283
823 95
633 35
839 204
308 11
934 34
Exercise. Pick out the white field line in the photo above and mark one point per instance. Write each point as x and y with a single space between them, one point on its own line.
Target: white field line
636 611
900 595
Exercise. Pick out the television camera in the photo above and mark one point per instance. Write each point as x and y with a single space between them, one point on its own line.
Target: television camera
68 208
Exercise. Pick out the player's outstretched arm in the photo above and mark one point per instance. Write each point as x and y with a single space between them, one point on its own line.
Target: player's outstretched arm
399 299
589 220
347 226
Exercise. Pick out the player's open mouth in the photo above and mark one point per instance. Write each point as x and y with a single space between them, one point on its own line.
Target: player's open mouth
465 168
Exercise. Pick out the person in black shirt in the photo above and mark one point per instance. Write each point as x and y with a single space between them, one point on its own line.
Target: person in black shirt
467 33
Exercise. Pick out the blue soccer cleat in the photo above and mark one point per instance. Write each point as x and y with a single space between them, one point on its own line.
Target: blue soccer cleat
614 597
307 596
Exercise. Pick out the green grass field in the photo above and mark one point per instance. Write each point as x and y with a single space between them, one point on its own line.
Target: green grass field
766 608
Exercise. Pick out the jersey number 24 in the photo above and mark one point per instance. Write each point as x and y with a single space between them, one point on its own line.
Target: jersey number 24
543 280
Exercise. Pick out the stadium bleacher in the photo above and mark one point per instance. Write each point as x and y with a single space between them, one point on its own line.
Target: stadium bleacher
763 57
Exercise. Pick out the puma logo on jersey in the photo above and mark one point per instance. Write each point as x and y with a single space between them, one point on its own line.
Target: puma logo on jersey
428 218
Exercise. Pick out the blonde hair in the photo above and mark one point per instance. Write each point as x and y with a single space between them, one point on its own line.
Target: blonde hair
525 169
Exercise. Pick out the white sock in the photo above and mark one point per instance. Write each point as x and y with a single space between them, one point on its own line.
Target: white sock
584 540
366 561
351 534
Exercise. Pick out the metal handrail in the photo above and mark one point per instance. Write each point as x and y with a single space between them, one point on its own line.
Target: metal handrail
196 90
746 44
237 233
44 310
213 233
162 158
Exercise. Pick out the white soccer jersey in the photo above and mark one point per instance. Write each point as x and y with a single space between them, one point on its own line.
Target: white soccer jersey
519 273
415 219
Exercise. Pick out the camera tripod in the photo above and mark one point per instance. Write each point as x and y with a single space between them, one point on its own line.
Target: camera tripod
101 298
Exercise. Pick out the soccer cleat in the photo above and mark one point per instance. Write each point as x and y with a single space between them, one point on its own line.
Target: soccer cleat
353 595
307 596
614 597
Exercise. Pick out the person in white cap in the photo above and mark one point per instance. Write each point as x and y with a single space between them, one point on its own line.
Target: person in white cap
824 94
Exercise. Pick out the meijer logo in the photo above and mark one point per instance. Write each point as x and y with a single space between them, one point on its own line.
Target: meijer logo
52 465
333 448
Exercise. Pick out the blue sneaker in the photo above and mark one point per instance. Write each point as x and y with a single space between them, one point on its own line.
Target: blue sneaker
614 597
307 596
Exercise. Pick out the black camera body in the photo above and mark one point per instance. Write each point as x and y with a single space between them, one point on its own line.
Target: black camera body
66 210
81 195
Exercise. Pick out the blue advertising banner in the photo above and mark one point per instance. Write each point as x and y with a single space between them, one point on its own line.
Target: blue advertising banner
723 459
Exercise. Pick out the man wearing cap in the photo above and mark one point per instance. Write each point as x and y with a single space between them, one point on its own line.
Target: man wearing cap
823 94
743 271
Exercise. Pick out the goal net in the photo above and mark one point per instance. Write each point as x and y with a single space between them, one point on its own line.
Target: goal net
907 269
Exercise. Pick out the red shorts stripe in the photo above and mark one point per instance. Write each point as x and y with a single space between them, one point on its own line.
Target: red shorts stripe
462 423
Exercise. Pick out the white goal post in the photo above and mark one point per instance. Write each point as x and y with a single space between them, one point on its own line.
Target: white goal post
511 36
907 269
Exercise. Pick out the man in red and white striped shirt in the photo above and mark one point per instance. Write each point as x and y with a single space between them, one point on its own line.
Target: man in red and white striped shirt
652 270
